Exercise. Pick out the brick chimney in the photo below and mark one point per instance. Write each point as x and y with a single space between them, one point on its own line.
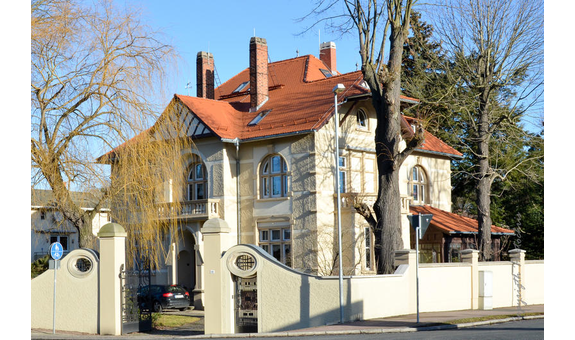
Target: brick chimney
327 55
205 75
258 72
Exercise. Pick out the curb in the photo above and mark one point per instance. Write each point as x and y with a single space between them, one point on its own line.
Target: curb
365 331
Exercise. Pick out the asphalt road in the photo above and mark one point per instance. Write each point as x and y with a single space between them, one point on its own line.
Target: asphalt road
524 330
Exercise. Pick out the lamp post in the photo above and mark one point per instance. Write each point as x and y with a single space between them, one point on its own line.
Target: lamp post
339 88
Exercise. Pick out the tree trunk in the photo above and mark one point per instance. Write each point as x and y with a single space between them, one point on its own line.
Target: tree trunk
387 207
484 181
483 213
80 219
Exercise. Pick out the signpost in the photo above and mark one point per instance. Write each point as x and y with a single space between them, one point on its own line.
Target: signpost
56 252
419 223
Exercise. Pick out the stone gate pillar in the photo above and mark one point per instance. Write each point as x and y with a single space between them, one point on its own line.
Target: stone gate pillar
112 238
517 257
218 291
472 256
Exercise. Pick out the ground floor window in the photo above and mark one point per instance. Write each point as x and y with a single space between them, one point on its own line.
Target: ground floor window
276 239
62 239
429 253
368 248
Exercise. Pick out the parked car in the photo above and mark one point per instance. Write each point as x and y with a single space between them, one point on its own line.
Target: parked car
160 297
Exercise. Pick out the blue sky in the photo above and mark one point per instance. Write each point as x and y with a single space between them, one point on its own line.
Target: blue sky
224 28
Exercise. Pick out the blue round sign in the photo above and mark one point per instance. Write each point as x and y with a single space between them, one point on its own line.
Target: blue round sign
56 250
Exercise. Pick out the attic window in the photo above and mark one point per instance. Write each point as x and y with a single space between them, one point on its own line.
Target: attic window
241 87
259 118
325 72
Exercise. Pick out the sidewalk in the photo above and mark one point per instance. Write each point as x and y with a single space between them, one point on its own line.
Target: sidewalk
427 321
396 324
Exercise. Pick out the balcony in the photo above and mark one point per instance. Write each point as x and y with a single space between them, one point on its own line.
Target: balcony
191 210
348 200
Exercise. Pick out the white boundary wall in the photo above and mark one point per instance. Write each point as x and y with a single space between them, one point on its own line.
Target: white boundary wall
289 300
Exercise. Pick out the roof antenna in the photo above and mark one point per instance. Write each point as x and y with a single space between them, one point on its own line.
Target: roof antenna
188 87
297 52
254 32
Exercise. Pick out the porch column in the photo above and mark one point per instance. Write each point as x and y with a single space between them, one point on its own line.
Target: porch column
471 256
112 239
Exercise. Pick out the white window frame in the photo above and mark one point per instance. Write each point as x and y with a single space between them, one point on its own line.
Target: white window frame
359 115
271 237
194 183
273 177
418 185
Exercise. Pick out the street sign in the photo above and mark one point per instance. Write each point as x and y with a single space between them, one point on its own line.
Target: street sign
415 220
56 250
419 223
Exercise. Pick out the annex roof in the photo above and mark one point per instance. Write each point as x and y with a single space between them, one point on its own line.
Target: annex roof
452 223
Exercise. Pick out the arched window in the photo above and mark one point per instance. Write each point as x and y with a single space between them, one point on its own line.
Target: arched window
418 185
197 180
362 119
273 177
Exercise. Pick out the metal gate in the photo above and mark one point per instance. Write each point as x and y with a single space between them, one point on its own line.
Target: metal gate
134 282
246 305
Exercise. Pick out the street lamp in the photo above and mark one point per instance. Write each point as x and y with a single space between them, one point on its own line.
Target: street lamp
339 88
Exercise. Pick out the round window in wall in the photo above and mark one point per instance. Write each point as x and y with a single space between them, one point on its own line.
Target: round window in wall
80 266
242 263
245 262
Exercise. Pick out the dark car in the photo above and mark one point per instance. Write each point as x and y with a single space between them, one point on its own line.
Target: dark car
159 297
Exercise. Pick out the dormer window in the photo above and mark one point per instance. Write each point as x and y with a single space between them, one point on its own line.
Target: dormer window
241 87
259 118
325 72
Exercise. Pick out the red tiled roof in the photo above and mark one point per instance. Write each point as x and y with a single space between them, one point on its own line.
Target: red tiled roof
453 223
300 100
434 144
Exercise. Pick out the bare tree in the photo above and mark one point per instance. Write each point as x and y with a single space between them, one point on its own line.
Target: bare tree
496 50
96 71
375 23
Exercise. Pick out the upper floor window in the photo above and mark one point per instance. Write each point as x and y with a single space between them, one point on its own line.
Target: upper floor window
197 180
362 119
273 174
342 174
418 185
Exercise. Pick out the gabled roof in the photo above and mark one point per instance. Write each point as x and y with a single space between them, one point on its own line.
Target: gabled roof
300 101
452 223
45 199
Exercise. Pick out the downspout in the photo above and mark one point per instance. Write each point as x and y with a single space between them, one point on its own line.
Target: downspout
236 142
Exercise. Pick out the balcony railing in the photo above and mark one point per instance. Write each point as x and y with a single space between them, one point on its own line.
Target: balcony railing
200 209
348 199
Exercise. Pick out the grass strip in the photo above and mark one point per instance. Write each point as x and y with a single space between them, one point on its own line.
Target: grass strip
489 318
170 321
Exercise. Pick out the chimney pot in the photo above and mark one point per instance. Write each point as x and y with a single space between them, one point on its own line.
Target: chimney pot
328 56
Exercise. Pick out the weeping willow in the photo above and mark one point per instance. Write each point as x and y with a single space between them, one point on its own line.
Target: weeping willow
148 180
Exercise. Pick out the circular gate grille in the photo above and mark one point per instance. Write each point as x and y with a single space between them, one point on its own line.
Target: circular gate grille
245 262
